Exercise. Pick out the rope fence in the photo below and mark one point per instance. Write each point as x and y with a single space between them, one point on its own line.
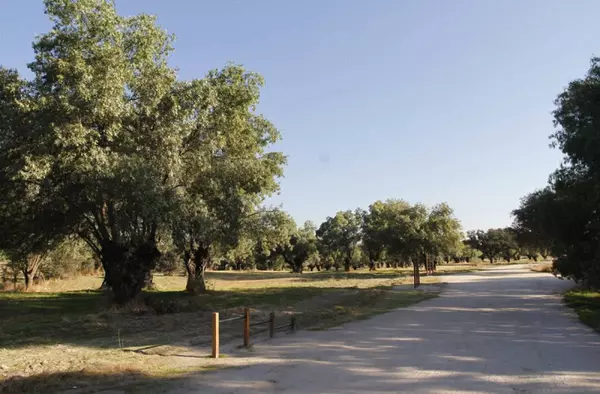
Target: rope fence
248 324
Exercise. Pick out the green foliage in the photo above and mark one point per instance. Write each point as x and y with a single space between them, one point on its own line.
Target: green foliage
341 234
494 243
564 217
107 144
301 248
587 306
70 258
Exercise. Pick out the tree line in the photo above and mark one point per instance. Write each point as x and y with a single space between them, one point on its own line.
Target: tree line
108 158
105 147
564 214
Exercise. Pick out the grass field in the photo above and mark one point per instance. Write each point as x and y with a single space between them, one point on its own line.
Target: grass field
64 330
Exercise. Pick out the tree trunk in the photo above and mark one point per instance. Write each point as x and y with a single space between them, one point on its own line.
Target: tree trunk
416 275
27 278
372 266
149 281
196 267
127 269
347 264
105 286
32 264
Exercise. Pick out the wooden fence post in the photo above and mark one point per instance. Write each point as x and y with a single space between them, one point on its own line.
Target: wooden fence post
293 324
246 327
416 275
272 325
215 335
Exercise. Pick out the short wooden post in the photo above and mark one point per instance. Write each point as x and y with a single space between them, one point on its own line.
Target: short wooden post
246 327
215 335
293 324
272 325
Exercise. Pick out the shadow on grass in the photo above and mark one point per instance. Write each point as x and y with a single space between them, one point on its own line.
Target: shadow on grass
81 317
306 276
92 381
384 273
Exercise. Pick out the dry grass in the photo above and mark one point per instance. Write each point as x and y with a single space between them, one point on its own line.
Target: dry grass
42 369
545 266
231 280
64 335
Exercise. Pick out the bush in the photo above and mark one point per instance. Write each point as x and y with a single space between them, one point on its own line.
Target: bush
169 263
70 258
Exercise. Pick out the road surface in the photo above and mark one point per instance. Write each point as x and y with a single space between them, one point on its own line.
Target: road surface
497 331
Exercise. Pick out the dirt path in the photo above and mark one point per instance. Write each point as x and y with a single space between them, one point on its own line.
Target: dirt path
497 331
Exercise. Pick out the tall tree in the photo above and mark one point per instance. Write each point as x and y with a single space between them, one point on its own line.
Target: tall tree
118 146
226 172
565 214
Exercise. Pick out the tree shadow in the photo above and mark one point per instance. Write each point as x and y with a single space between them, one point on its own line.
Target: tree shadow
81 382
494 335
308 276
89 319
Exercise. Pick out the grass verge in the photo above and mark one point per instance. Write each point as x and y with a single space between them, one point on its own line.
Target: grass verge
362 305
586 304
57 341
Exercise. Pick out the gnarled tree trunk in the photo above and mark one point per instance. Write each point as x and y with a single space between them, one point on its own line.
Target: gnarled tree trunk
195 265
127 269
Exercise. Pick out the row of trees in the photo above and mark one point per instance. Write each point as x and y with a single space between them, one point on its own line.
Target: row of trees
565 214
507 244
391 232
105 144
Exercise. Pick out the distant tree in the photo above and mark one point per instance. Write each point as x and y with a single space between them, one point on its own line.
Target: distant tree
373 227
419 234
342 233
493 243
302 246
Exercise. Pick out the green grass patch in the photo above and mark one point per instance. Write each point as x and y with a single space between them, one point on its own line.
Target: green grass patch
587 306
50 318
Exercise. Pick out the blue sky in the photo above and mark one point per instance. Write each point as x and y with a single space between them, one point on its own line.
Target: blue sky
428 101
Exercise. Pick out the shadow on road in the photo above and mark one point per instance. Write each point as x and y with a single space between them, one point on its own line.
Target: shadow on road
496 334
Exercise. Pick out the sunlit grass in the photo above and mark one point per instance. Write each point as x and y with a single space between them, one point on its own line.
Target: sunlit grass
586 304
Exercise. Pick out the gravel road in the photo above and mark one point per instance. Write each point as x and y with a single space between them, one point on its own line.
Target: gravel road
502 330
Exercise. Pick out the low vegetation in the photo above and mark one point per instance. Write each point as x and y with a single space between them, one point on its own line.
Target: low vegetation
586 304
71 338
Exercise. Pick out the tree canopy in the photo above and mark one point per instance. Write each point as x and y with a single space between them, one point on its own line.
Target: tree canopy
564 216
108 139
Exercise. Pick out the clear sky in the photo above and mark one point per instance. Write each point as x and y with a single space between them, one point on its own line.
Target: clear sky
428 101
